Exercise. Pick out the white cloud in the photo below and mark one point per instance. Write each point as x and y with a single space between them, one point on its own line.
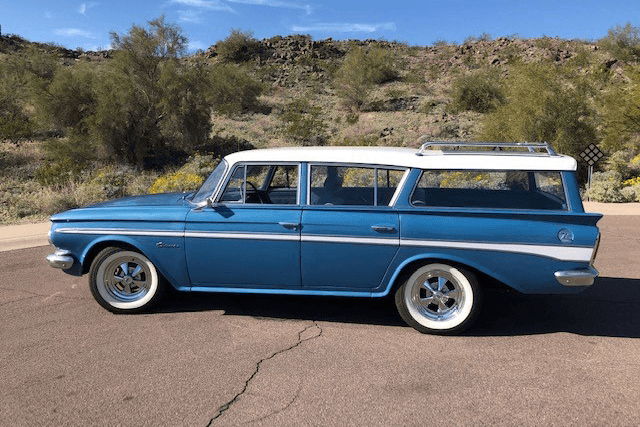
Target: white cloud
85 7
275 3
345 27
73 32
193 16
204 4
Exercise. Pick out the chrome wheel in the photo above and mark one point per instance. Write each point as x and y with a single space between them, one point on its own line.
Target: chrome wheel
124 281
439 298
437 295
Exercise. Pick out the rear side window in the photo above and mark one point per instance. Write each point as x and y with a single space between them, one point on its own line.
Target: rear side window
490 189
353 185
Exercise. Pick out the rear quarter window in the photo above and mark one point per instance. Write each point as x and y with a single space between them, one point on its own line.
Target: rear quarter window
490 189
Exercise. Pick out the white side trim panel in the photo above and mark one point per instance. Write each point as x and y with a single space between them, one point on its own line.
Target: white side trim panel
563 253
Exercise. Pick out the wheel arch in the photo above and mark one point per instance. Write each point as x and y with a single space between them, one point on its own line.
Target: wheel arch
177 278
484 277
93 251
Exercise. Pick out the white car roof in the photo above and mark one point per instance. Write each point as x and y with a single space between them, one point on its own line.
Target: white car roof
408 158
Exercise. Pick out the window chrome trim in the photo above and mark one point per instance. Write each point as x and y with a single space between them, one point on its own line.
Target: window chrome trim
233 168
567 205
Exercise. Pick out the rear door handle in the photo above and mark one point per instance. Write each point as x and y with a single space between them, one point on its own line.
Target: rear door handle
290 225
383 228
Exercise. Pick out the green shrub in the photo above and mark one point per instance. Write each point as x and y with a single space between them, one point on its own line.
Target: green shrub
607 187
544 105
480 91
239 46
304 123
232 89
622 42
362 69
65 160
113 181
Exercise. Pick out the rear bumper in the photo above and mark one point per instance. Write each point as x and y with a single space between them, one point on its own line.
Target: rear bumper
579 278
60 259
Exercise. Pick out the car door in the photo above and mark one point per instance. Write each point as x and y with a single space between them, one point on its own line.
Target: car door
350 234
251 236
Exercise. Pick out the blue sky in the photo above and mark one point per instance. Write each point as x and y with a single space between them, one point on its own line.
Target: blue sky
87 24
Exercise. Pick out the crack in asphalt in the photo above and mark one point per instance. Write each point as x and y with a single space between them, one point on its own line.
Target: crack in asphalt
222 409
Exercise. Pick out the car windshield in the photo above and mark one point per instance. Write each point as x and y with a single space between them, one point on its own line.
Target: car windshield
210 184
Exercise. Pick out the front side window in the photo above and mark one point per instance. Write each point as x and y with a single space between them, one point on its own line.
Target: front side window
353 185
490 189
262 184
209 186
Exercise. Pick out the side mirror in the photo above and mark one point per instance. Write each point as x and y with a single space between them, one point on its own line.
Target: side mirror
208 203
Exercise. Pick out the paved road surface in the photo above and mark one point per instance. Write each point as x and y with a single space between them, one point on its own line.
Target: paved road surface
283 361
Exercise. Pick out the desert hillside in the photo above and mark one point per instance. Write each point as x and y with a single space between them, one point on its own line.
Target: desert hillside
80 126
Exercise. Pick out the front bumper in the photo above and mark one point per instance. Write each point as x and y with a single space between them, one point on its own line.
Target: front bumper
60 259
572 278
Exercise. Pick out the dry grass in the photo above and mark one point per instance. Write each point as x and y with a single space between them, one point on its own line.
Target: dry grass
24 200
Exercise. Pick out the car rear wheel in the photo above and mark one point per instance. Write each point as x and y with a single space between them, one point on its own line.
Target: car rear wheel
124 281
439 299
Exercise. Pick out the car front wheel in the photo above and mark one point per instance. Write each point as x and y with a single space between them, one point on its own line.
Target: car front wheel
124 281
439 299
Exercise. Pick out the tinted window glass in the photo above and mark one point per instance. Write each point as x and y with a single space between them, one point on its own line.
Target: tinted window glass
262 184
352 185
490 189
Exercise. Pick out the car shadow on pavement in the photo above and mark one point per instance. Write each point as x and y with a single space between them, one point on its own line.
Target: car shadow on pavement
611 307
374 311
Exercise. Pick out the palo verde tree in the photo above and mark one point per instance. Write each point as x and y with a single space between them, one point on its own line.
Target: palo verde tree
148 102
542 104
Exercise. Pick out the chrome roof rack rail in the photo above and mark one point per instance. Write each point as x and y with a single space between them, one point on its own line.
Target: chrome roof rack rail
500 148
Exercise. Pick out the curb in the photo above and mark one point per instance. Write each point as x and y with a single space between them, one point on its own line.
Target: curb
24 236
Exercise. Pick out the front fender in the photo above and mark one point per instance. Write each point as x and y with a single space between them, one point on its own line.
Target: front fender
163 246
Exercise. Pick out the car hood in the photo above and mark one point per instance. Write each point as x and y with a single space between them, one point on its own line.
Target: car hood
165 199
152 207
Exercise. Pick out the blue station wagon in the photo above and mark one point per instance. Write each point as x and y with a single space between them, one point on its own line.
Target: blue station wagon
430 227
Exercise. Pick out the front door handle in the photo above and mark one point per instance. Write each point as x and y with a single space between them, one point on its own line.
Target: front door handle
290 225
383 228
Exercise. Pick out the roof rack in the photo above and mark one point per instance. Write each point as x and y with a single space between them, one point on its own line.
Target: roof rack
500 148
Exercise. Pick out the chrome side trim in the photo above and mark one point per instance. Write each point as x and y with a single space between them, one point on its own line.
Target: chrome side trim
577 277
353 240
244 236
121 232
60 259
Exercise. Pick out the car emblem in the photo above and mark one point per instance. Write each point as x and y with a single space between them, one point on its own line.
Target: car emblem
166 245
565 236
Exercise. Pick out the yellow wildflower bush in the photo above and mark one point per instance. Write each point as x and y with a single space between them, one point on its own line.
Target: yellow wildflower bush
632 182
175 182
